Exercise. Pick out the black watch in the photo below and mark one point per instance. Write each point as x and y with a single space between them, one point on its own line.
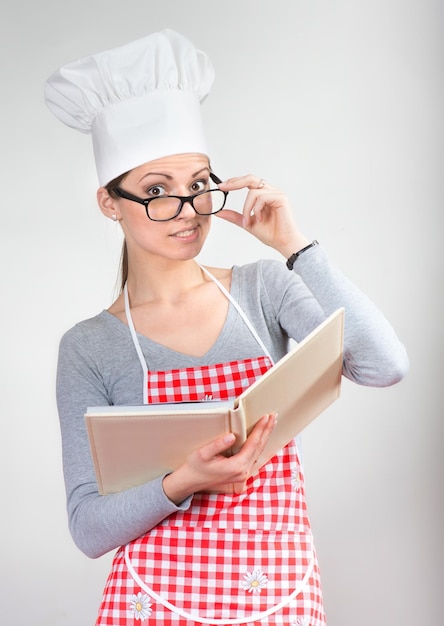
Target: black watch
292 259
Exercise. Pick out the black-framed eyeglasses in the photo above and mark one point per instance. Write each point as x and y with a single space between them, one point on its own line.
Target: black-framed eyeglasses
165 208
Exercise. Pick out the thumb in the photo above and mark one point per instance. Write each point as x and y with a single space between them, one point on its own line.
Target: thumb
232 216
217 446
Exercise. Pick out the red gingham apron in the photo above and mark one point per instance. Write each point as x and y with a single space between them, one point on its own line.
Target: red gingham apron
228 559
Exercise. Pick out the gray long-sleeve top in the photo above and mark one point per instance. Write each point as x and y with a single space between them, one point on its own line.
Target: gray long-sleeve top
98 365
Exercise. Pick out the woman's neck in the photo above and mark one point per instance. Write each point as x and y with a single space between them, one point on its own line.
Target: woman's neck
165 281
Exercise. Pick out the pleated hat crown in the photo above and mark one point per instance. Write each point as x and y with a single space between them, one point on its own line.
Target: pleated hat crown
140 101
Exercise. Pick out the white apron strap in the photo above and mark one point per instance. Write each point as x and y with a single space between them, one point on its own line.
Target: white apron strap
240 311
137 344
129 319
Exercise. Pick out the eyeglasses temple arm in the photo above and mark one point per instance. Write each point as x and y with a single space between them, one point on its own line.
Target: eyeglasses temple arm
215 178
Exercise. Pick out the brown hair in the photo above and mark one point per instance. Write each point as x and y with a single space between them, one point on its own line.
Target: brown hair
124 254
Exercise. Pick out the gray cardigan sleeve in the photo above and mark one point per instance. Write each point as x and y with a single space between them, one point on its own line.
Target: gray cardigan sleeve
280 302
373 354
97 523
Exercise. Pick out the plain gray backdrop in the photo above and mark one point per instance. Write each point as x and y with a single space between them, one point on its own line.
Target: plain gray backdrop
339 103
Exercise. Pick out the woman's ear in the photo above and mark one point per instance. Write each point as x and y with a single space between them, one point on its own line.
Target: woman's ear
107 204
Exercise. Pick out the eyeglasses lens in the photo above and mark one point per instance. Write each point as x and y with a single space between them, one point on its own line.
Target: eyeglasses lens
204 204
209 202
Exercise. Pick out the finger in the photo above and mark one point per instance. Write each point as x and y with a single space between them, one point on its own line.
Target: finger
258 437
231 216
252 207
250 181
258 205
238 488
254 446
217 447
265 430
243 220
255 203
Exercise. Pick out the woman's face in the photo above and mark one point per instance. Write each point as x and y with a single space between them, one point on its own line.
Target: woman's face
180 238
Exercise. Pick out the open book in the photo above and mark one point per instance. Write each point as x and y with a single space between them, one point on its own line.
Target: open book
131 445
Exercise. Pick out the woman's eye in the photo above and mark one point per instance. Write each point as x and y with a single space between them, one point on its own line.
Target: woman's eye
199 185
156 191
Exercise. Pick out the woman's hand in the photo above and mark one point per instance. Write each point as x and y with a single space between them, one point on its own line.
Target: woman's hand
208 469
266 214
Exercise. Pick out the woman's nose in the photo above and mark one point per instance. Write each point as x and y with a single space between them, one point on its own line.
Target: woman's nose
187 210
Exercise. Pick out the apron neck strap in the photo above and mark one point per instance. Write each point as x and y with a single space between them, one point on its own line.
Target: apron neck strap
240 311
129 319
226 293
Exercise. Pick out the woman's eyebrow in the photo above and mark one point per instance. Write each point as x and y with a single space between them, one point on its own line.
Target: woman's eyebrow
169 177
155 174
204 169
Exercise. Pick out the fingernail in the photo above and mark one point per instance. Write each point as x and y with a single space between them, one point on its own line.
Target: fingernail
229 438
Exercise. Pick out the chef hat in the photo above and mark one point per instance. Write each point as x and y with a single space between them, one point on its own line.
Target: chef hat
140 101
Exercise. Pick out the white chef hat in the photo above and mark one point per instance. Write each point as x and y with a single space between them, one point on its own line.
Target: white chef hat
140 101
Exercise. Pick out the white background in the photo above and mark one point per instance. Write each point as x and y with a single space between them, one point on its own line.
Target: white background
340 104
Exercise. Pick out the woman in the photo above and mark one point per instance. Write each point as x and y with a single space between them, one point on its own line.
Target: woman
187 556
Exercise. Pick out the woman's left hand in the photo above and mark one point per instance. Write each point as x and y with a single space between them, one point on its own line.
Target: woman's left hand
266 214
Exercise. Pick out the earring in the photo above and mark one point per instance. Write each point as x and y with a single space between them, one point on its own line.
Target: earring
114 217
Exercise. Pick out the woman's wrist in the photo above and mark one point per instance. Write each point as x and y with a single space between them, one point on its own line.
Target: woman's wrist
175 489
293 257
295 245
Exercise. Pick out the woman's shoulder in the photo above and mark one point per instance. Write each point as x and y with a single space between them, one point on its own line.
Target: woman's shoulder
260 266
268 272
93 329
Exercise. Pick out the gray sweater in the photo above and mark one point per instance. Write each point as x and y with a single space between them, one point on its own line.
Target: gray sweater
98 365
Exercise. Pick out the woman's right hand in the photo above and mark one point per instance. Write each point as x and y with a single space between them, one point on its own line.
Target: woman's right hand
266 214
208 469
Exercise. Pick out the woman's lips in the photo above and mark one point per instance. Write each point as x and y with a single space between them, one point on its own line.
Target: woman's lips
188 233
